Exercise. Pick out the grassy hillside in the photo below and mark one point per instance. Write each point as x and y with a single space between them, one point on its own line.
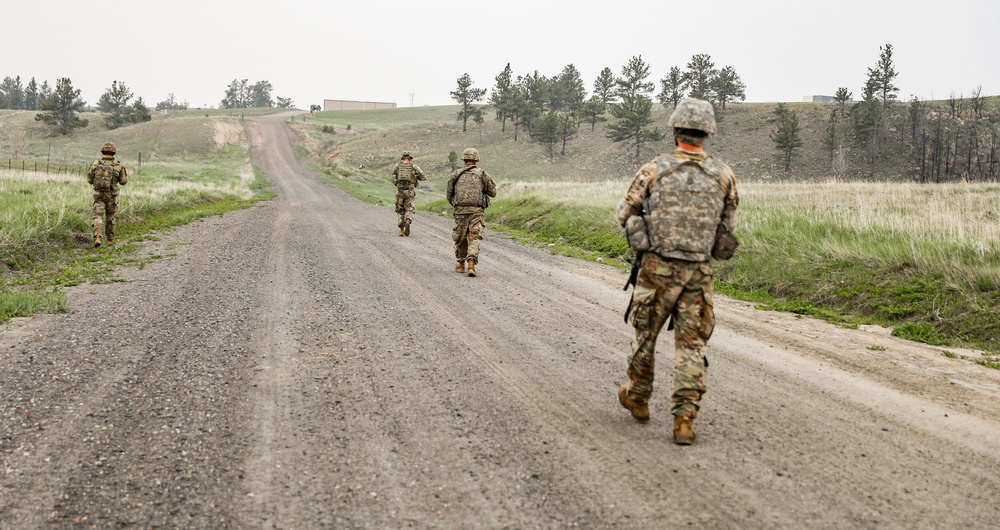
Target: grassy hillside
921 259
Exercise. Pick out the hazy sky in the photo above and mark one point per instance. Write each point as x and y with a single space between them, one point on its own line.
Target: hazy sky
390 50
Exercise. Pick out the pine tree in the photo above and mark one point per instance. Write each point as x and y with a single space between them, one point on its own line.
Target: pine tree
605 87
635 111
62 107
786 136
501 98
671 88
466 96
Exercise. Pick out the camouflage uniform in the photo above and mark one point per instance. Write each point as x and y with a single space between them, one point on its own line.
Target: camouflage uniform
682 198
105 175
469 226
406 187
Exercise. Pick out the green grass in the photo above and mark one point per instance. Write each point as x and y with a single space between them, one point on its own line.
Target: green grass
195 167
27 303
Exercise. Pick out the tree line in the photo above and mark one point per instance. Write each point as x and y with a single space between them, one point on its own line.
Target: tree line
552 109
240 94
958 139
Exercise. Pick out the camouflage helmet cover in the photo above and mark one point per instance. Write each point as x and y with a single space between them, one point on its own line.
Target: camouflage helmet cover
693 114
406 154
470 154
109 148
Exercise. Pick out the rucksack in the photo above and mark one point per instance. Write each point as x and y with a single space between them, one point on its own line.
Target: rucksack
469 188
106 174
404 176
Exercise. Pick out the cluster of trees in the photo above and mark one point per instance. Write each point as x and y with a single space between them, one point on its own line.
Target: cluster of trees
240 94
552 109
115 102
15 95
933 142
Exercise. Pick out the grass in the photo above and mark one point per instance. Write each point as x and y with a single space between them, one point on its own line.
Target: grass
195 167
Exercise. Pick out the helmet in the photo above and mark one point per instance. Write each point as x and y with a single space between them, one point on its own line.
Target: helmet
470 154
109 148
406 154
693 114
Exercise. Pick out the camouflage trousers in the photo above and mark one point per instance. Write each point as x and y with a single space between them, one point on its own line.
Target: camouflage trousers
468 232
105 205
681 289
404 205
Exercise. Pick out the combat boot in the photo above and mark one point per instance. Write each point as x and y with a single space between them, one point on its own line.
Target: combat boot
97 241
460 267
640 411
401 234
683 430
110 242
406 228
472 266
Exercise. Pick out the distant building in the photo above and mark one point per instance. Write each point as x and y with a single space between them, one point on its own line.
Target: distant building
820 99
343 104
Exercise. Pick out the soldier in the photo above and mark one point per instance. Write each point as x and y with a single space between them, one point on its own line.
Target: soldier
469 192
105 175
672 214
405 176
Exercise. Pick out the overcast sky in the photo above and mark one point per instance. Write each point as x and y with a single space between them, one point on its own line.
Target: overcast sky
413 52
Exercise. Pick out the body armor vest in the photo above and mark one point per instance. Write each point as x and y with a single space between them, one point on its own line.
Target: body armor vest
684 208
469 188
404 176
105 175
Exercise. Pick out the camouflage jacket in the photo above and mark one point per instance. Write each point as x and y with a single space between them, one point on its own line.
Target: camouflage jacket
638 193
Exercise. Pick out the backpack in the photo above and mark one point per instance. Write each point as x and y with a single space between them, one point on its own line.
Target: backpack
106 174
404 176
469 188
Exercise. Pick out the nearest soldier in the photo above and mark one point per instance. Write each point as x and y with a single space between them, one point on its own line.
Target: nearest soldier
469 192
677 215
106 175
405 176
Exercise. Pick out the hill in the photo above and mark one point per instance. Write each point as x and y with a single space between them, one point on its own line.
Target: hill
376 138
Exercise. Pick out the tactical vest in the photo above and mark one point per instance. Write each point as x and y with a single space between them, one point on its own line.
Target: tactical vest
684 207
405 176
469 188
106 175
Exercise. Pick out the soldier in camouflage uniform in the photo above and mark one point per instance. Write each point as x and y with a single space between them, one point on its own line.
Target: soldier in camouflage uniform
671 213
105 176
405 176
469 190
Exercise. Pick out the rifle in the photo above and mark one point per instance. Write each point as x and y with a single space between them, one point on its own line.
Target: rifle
632 278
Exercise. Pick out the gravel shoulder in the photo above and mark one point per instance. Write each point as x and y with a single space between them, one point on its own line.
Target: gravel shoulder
300 365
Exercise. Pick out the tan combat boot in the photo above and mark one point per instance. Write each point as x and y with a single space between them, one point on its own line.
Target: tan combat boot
401 234
640 411
97 241
683 430
460 267
472 266
406 228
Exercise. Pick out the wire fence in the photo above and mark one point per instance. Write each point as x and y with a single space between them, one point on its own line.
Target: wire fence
44 166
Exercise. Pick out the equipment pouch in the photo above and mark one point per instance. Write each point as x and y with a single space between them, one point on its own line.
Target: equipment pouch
725 243
635 233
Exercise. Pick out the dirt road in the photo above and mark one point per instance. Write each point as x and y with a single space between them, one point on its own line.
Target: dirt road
299 365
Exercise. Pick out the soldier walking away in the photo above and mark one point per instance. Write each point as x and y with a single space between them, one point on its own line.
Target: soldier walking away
405 176
678 214
469 192
105 176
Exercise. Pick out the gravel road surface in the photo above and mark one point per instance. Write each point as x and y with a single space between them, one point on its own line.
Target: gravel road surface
299 365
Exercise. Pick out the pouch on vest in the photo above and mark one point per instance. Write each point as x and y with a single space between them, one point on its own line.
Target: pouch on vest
725 243
636 235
